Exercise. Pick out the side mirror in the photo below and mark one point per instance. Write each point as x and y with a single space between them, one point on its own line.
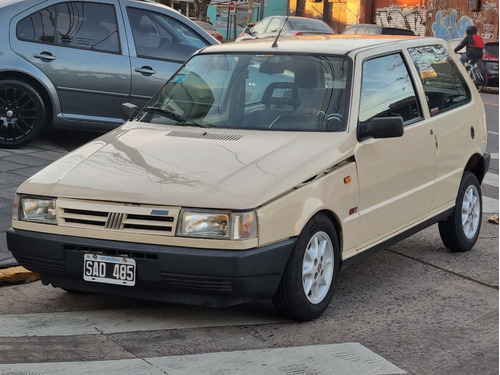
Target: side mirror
382 127
129 111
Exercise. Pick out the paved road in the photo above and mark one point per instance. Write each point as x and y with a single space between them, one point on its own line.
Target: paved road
413 308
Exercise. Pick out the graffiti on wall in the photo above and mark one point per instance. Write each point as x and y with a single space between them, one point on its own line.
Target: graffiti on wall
440 20
412 18
449 24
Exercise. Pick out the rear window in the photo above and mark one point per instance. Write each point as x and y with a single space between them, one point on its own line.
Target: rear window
491 48
393 31
309 24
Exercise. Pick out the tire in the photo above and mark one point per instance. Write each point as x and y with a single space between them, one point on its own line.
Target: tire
308 282
22 113
460 231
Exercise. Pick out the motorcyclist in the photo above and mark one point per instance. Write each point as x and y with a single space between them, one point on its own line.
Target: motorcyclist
474 45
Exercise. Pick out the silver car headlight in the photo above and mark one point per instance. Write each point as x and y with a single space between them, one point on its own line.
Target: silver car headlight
35 209
218 224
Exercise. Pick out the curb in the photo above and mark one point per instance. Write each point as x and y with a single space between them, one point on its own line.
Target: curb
17 275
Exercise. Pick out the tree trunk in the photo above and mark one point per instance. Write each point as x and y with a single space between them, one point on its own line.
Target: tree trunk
200 9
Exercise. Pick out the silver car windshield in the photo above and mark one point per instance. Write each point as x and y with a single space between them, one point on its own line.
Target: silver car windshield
261 92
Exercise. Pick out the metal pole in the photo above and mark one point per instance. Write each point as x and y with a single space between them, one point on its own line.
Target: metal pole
250 11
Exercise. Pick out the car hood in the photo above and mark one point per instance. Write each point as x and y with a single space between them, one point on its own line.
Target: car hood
189 167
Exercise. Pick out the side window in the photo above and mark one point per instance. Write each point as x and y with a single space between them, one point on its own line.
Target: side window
387 90
160 37
73 24
261 26
443 83
274 25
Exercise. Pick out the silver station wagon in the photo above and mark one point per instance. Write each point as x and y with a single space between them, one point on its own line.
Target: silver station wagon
260 170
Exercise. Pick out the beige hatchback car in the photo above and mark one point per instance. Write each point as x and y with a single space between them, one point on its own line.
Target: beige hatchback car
262 169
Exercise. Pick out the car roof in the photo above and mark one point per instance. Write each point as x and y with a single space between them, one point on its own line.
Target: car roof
318 44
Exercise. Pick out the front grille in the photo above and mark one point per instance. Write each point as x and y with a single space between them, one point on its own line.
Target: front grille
159 220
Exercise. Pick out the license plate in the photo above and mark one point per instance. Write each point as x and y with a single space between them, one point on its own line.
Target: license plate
109 269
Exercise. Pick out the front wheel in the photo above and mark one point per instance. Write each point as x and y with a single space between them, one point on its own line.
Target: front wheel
460 231
22 113
309 279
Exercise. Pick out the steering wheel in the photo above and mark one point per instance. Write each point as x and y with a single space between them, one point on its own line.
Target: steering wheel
330 122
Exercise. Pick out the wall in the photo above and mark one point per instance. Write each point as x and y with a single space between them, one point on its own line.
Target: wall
445 19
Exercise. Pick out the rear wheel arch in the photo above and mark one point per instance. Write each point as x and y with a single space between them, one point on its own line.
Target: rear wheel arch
36 84
476 165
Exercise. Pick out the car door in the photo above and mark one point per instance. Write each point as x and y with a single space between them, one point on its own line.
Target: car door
446 92
396 175
78 45
159 44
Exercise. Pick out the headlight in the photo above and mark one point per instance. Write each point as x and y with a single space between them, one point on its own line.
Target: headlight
218 224
35 209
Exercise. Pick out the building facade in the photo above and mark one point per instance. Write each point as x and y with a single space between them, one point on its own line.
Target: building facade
446 19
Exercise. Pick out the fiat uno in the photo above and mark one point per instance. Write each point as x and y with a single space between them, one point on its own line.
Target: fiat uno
262 169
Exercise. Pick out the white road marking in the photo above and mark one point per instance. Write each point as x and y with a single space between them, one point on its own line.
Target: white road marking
339 359
125 320
491 179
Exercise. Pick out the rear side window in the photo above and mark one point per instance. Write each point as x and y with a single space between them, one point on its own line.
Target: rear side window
73 24
444 85
387 90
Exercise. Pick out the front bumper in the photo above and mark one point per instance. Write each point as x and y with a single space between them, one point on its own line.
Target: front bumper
163 273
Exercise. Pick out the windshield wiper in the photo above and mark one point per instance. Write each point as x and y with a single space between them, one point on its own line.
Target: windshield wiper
175 116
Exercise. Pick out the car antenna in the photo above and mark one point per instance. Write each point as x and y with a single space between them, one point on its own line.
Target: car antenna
275 44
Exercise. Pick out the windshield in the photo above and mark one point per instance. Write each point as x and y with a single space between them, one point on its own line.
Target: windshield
309 24
261 92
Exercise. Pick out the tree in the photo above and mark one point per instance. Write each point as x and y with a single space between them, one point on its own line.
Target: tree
200 9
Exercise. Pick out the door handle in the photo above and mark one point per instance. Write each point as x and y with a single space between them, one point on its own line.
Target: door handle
44 56
145 70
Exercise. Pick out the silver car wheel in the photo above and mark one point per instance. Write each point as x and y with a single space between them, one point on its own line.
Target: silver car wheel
471 211
317 267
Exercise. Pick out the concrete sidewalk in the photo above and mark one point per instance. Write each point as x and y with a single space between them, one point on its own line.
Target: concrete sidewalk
15 167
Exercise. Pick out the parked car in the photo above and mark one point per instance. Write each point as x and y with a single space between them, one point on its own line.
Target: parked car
490 61
209 28
270 27
490 58
72 63
261 170
246 29
369 29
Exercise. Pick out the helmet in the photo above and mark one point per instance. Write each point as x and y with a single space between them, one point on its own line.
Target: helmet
471 30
